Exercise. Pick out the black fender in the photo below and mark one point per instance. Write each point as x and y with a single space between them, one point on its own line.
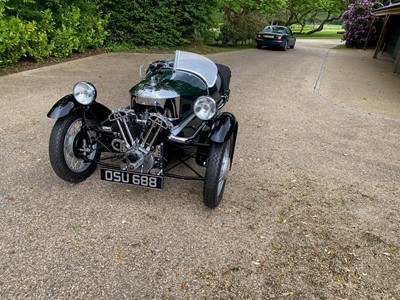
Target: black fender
67 105
224 127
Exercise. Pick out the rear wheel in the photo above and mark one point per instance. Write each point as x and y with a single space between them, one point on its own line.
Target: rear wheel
67 149
259 46
218 165
284 46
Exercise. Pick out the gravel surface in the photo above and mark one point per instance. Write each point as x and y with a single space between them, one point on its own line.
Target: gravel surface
311 208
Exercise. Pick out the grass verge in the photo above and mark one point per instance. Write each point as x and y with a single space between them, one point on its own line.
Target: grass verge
194 47
329 32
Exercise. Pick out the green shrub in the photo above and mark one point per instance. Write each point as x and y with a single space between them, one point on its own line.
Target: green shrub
151 23
79 31
65 38
38 29
92 32
2 6
13 40
241 28
39 46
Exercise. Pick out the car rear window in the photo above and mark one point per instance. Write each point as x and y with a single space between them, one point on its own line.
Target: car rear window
275 29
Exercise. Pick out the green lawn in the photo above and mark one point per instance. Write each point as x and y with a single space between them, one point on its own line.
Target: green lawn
329 32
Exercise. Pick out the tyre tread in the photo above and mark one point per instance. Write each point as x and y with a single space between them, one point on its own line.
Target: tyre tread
56 152
210 188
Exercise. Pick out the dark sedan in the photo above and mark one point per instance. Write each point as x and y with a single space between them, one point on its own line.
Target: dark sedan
276 36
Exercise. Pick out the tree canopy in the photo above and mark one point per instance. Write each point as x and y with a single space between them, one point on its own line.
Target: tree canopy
301 11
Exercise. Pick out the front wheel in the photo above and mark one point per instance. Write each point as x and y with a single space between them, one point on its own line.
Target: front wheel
72 150
218 165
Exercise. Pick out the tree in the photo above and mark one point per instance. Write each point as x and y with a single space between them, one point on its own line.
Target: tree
333 10
243 18
299 11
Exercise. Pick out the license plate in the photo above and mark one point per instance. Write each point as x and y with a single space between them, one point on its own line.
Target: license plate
138 179
269 36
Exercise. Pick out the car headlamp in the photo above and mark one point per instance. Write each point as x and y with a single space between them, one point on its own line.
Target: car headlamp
205 108
84 92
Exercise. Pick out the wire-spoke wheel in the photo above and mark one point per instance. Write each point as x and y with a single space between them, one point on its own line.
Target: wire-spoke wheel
70 151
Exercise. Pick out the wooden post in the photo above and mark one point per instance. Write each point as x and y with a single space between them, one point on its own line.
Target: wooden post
397 63
369 33
382 36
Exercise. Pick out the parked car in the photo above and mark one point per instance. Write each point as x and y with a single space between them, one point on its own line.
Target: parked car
276 36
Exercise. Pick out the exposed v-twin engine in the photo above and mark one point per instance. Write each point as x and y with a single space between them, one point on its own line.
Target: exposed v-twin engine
136 139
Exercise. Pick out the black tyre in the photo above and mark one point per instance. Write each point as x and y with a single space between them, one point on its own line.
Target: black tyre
65 149
259 46
284 46
292 47
218 165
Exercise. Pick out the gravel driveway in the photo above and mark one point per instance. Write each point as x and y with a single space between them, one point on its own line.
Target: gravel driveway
311 209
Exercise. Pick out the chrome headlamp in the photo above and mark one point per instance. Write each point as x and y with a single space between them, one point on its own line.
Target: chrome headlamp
205 108
84 92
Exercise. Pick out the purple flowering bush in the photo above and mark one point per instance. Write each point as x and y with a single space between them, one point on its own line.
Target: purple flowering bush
357 21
